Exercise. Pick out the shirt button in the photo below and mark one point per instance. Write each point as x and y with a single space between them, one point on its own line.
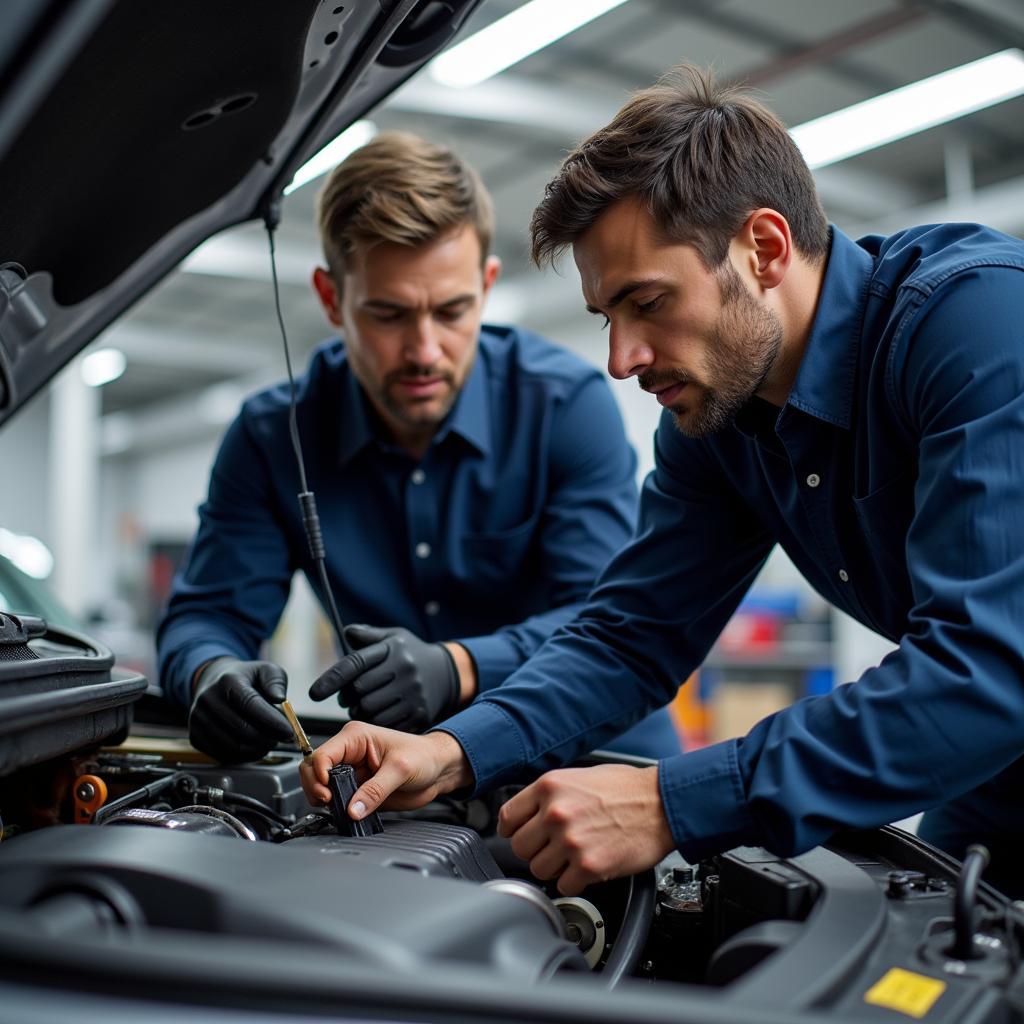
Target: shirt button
844 575
813 480
418 476
432 607
422 549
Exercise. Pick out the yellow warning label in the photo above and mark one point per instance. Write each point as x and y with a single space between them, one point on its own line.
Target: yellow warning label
905 992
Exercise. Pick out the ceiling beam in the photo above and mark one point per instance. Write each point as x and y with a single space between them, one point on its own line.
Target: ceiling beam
570 115
181 420
173 348
992 28
636 22
858 193
788 46
796 58
512 99
999 206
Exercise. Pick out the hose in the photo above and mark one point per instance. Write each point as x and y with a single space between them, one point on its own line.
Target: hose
252 804
975 862
636 923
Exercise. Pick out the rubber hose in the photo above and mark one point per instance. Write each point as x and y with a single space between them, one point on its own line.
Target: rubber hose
975 862
636 924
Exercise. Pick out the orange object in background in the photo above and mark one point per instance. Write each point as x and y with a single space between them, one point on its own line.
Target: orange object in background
90 796
690 715
732 709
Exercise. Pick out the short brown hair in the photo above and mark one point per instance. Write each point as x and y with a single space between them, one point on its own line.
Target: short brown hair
702 156
399 188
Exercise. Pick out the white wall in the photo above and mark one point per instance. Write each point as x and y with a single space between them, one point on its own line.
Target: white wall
151 497
167 486
24 470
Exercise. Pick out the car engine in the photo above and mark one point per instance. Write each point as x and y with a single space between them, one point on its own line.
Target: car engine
132 864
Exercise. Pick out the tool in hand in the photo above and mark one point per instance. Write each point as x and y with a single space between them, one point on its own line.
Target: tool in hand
341 781
300 734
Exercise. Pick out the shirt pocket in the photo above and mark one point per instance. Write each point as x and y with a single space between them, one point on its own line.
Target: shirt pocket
886 512
502 556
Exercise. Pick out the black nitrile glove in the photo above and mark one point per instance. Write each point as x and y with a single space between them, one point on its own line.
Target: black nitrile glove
233 717
392 678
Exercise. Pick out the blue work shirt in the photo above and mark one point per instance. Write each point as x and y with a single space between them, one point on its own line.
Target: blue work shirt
493 538
893 477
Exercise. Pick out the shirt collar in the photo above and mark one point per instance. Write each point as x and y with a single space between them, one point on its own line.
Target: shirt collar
827 375
356 430
469 417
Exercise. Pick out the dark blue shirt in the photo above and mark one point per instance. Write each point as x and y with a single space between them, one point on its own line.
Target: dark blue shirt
493 538
894 478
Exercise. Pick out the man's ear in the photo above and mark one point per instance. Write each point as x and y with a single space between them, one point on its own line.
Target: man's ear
492 268
765 247
328 294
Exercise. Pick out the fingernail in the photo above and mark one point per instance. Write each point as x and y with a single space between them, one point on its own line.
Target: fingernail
358 809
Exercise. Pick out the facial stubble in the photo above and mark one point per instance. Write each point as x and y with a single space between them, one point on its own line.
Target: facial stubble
742 349
406 411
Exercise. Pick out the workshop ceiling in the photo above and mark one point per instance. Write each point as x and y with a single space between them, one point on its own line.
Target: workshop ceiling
203 330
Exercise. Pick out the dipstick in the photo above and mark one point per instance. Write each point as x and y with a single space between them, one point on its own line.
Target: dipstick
300 734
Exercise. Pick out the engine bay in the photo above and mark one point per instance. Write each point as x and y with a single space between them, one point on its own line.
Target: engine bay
143 849
135 871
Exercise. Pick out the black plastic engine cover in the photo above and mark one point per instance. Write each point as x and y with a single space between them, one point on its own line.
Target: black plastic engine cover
231 889
425 847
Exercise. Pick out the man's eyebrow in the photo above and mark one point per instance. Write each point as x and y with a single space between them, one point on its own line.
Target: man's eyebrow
624 292
458 300
391 306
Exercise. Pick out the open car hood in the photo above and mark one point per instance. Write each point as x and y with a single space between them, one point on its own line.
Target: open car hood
131 132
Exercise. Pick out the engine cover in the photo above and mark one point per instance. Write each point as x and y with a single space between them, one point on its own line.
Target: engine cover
345 895
425 847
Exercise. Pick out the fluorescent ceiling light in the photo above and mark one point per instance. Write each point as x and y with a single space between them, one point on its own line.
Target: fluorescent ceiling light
103 366
333 153
912 108
507 41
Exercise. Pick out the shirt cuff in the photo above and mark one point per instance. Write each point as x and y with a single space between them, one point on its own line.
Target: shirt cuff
491 742
705 803
495 657
186 665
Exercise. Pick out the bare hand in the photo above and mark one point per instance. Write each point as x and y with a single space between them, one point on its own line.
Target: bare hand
585 825
397 771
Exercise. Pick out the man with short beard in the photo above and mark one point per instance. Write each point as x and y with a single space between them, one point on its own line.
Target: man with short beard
471 480
859 403
742 349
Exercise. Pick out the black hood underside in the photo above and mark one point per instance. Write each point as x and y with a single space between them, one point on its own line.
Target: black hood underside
130 132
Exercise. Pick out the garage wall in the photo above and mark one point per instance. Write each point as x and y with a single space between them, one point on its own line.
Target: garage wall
24 483
167 487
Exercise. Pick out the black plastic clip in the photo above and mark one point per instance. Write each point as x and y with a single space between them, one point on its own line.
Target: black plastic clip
341 780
